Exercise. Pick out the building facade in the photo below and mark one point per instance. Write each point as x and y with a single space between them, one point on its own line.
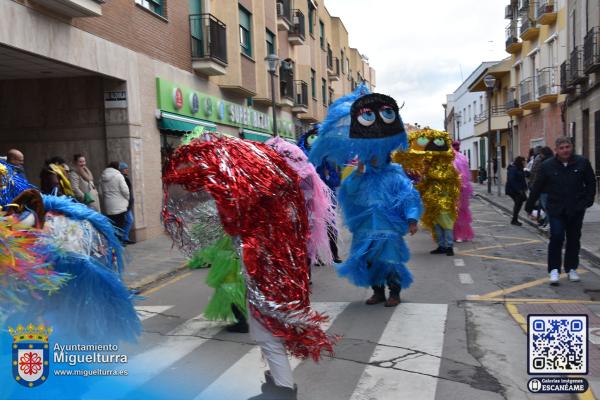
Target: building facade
124 79
581 85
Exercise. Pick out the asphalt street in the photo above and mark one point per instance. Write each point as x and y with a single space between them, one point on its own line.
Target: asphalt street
458 333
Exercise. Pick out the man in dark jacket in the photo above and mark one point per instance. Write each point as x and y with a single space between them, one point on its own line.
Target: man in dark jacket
516 187
570 183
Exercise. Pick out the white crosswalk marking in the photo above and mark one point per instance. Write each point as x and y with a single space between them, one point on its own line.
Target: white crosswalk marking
145 312
406 346
244 378
465 279
459 262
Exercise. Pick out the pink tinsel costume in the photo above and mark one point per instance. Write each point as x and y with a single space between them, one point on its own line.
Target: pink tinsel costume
317 198
462 226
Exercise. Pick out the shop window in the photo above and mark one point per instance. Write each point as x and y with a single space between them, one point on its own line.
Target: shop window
156 6
245 31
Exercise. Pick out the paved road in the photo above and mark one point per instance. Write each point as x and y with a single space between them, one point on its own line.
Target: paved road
457 335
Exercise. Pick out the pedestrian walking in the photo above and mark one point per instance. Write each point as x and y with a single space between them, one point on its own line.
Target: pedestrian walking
82 181
115 195
570 183
543 154
516 187
124 168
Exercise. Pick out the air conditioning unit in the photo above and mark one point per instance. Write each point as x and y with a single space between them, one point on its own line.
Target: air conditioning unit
280 9
508 12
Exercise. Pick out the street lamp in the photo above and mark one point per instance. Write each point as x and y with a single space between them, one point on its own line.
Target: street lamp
272 63
490 82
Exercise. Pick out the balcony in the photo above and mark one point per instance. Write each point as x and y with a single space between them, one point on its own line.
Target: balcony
524 5
209 44
298 29
284 15
591 51
528 91
512 106
300 97
565 87
575 73
508 12
286 86
334 72
74 8
513 45
529 29
546 12
499 120
547 87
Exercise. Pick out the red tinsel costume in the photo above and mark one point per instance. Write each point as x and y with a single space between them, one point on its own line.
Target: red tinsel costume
259 199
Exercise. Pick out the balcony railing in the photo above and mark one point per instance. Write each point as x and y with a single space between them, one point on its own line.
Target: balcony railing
298 29
591 51
546 82
526 24
512 37
508 12
576 75
284 10
208 38
546 12
286 83
301 94
528 90
565 87
497 111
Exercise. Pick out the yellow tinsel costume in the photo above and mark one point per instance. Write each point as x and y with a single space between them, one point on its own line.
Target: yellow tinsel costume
429 158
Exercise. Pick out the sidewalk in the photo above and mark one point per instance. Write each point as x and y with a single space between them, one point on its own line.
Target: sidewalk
151 260
590 245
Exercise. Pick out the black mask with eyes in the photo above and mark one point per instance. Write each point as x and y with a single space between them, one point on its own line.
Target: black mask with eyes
375 116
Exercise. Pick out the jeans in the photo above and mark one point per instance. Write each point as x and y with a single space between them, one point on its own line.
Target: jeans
445 237
128 225
561 226
519 199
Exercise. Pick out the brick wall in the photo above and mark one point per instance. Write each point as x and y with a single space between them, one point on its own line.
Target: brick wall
127 24
545 123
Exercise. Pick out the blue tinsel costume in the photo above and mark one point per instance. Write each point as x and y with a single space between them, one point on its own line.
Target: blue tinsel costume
12 182
377 204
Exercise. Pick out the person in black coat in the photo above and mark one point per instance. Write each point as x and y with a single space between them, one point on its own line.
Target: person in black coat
570 183
516 187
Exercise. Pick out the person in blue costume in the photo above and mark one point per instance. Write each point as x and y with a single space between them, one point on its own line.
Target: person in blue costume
12 182
330 174
378 200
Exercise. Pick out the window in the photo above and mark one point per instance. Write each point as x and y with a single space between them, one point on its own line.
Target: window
246 31
474 108
480 104
342 61
313 89
469 112
311 17
324 91
270 43
322 34
330 95
155 6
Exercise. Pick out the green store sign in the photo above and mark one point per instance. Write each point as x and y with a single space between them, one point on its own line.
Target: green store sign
188 102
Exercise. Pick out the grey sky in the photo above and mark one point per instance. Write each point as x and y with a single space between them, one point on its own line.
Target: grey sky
418 48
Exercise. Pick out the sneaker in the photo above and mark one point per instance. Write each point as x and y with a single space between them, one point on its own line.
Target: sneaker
439 250
554 277
573 276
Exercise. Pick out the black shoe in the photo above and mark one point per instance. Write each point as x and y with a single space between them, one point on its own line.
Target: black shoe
377 297
270 391
238 327
439 250
450 251
128 241
337 260
517 223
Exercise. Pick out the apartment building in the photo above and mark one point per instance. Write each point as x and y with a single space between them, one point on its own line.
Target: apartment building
536 38
580 78
124 79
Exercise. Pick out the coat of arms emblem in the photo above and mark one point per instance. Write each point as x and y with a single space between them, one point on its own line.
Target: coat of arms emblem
30 354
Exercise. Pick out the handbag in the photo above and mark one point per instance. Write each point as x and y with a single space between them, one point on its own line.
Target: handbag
88 198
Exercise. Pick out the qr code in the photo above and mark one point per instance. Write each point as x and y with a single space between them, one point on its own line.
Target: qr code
557 344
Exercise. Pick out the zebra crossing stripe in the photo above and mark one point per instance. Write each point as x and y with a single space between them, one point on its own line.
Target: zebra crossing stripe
243 379
145 312
408 358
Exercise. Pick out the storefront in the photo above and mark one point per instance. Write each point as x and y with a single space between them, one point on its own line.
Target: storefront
180 109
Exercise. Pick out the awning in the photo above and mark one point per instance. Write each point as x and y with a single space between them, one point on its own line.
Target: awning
256 136
181 124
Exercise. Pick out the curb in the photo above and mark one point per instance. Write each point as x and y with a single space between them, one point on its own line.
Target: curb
587 254
142 284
